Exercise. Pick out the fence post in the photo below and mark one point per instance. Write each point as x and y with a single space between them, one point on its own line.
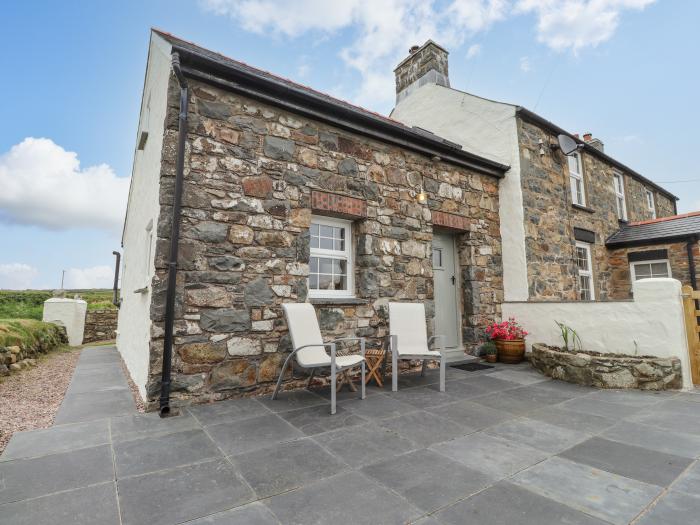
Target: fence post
691 331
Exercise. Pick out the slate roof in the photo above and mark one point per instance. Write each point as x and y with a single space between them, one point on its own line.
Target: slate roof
676 227
300 98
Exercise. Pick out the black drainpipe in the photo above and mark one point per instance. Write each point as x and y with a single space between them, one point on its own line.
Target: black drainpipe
174 242
691 262
116 301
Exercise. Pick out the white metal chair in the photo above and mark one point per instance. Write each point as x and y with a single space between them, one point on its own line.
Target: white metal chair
408 339
310 350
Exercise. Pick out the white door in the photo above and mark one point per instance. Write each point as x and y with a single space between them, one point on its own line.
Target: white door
447 320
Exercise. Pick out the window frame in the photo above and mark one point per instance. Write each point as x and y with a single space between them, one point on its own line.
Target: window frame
633 272
346 255
620 197
651 202
574 177
586 273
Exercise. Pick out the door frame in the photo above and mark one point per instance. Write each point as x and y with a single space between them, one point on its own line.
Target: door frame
459 310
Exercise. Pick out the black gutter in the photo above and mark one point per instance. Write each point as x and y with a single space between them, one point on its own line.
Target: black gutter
228 75
534 117
174 241
116 301
691 262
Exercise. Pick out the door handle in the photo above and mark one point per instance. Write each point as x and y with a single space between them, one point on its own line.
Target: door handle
454 279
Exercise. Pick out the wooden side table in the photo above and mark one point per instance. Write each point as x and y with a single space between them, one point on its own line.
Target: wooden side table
375 360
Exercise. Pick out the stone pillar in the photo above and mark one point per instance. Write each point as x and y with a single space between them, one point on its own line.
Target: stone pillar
69 313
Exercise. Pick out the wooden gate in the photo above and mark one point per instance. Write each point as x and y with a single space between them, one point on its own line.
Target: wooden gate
692 327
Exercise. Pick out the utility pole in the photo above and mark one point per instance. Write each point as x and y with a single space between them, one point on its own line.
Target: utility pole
63 276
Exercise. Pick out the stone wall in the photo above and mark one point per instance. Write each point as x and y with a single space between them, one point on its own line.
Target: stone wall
550 216
607 371
22 341
100 325
253 175
620 276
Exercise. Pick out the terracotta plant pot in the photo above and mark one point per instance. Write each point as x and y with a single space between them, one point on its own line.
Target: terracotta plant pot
511 352
491 358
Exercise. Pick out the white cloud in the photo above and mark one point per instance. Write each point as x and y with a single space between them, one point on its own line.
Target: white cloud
43 184
525 65
383 30
17 276
576 24
94 277
473 51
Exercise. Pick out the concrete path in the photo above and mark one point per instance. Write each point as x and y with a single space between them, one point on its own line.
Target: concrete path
504 445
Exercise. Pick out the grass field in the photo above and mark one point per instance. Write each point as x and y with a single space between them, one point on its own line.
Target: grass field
29 304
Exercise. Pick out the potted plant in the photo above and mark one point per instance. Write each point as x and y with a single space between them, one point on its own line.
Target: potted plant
488 350
509 338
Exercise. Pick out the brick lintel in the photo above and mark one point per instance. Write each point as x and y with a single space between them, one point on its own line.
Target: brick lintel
450 220
338 205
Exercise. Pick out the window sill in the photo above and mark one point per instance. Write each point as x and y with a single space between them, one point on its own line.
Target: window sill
583 208
328 301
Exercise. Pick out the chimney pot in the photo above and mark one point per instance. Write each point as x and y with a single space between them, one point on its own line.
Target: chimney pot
413 49
587 136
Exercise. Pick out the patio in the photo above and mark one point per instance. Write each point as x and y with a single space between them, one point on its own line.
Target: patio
503 445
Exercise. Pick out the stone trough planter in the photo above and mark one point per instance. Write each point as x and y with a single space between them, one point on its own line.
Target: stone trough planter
607 370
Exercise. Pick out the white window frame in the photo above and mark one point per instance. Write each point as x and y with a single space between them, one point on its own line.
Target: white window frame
620 200
633 271
586 273
651 203
577 177
345 255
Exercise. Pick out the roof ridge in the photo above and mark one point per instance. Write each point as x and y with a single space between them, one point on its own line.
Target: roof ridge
664 219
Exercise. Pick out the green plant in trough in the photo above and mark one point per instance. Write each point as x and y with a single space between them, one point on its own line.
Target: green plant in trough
488 348
569 336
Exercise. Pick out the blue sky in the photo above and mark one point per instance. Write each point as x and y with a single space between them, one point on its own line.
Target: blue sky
625 70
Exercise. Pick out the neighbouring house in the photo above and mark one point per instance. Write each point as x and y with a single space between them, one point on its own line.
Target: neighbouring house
288 194
557 212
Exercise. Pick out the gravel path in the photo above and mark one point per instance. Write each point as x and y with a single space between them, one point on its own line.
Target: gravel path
29 399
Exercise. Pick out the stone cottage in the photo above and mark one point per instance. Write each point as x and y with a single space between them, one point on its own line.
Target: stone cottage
556 211
270 192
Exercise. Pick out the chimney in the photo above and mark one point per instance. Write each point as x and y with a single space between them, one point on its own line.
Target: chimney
426 64
596 143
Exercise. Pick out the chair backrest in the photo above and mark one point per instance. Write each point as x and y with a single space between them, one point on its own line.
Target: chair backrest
407 322
304 330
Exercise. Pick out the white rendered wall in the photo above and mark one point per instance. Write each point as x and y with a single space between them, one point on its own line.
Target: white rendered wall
138 240
489 129
653 320
69 313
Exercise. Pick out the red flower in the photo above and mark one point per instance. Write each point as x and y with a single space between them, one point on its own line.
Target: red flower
508 330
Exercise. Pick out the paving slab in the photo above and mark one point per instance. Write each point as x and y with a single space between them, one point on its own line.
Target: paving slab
89 406
519 376
543 436
139 456
689 482
427 479
363 444
228 410
495 456
181 494
137 426
635 398
246 435
671 509
599 408
685 423
607 496
284 467
250 514
378 407
22 479
314 420
506 503
424 397
346 499
83 506
292 400
643 464
61 438
677 443
579 421
424 428
472 415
